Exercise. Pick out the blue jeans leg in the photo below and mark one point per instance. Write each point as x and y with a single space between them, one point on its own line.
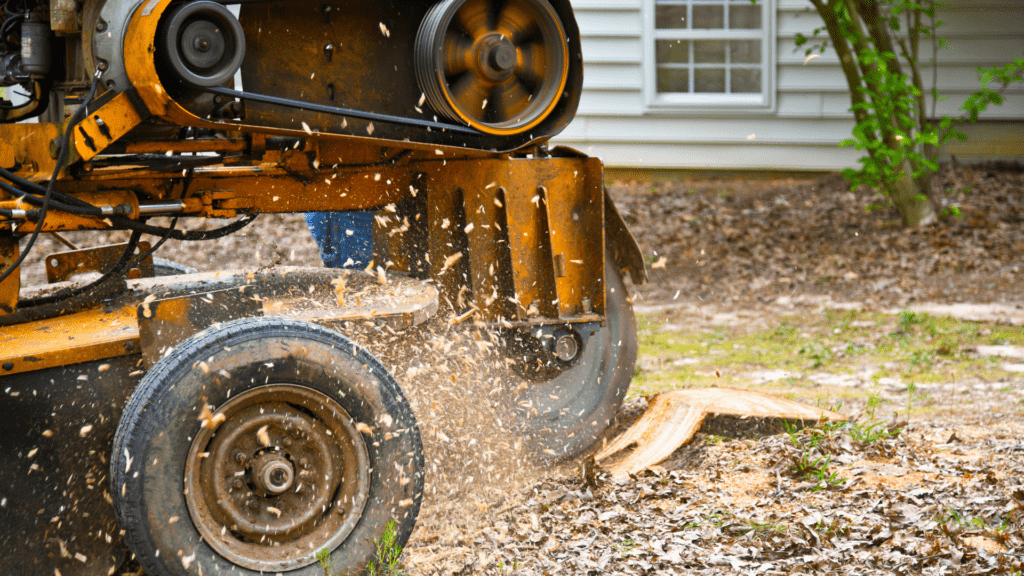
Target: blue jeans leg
345 239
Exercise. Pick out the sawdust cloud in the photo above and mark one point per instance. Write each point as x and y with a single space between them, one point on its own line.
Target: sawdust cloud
476 462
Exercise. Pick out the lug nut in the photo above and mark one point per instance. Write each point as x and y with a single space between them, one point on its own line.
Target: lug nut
240 457
237 483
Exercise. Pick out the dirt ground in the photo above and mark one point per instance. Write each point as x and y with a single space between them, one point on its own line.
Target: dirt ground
798 287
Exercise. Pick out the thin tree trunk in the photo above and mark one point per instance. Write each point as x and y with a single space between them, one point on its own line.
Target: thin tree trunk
913 204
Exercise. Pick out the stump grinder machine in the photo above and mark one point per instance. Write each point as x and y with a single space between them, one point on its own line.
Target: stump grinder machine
220 423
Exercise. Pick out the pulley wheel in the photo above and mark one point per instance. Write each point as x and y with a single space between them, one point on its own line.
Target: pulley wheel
203 43
500 67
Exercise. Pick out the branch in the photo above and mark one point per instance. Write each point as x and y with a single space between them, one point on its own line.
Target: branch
879 32
915 74
869 72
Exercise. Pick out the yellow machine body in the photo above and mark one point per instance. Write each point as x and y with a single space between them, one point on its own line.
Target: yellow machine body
435 116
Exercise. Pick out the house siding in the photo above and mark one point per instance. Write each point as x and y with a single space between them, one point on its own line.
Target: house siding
810 116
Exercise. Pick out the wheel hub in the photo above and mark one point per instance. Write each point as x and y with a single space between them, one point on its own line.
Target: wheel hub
273 474
284 476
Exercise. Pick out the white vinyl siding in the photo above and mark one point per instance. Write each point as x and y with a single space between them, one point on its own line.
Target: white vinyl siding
619 121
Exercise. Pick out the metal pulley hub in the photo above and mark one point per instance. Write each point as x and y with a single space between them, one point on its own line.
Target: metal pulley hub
203 43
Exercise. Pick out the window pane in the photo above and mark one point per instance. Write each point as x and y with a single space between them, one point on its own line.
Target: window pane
709 51
745 51
708 17
709 80
673 51
673 80
745 81
744 16
670 17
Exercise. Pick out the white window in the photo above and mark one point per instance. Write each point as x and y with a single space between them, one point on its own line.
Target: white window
710 54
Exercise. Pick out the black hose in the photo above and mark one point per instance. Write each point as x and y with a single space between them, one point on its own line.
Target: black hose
120 267
54 309
62 157
188 235
29 190
37 201
156 246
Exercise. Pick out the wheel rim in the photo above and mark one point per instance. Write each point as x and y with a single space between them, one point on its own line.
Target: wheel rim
285 475
499 70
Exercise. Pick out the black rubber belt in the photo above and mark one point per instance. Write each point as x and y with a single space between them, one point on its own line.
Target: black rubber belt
339 111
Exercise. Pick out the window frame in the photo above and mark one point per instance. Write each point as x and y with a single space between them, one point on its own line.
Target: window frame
708 103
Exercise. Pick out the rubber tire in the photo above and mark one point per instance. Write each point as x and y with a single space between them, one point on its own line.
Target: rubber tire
591 392
160 420
164 267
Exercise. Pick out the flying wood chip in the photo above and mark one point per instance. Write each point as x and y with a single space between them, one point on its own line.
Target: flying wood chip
672 418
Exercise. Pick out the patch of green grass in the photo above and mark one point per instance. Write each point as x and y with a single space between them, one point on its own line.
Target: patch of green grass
760 530
910 346
387 560
817 354
869 432
625 545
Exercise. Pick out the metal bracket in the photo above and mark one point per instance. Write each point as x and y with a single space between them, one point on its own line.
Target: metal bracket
63 265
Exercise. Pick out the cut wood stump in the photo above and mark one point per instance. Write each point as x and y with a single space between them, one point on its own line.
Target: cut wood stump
672 419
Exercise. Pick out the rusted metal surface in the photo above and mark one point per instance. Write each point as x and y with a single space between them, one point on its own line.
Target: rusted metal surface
310 294
188 146
575 211
79 337
531 251
448 246
490 261
61 266
287 465
101 128
28 145
11 286
164 323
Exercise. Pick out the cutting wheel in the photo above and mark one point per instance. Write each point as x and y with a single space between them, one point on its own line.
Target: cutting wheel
498 67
